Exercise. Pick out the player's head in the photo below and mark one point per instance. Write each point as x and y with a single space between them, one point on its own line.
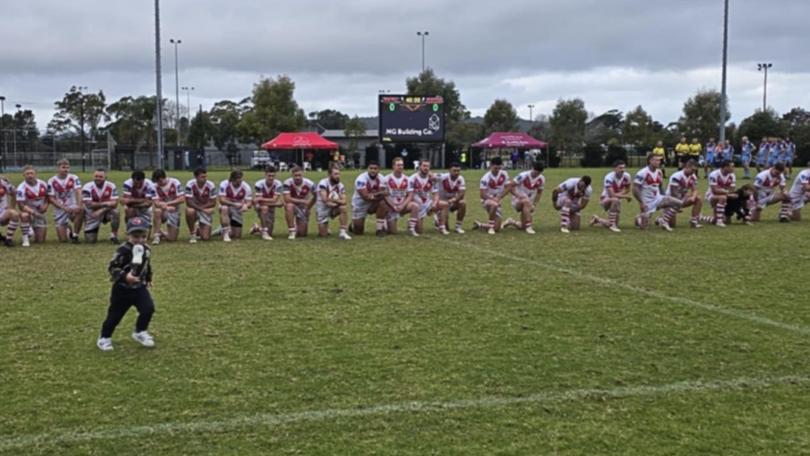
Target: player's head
619 166
373 168
654 161
424 166
726 166
495 165
100 176
583 183
695 140
689 167
269 173
683 139
297 174
201 172
537 167
659 143
236 177
159 176
455 169
398 164
30 174
334 174
138 177
63 167
777 169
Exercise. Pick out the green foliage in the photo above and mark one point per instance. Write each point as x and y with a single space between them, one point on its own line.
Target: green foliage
272 110
427 84
201 131
615 152
329 119
593 155
605 128
132 121
762 124
639 128
568 125
501 116
77 111
354 129
701 115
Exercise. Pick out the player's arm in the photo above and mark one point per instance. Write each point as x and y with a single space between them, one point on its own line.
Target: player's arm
460 195
554 195
583 202
312 199
637 193
536 200
54 200
362 189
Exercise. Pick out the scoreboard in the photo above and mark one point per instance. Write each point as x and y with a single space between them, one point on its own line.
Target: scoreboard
411 119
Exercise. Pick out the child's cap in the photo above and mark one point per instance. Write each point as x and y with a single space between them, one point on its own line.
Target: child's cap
137 224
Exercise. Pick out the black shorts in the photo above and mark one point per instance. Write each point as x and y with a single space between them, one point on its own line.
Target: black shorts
235 224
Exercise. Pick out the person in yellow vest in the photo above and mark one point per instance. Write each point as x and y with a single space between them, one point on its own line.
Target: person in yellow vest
682 152
659 151
695 149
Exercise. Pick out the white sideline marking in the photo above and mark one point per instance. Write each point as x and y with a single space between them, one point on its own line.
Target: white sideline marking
271 420
652 293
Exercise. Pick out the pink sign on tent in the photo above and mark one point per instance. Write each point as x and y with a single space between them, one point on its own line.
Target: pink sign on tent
499 140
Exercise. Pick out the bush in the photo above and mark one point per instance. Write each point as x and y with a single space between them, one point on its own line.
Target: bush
615 152
593 156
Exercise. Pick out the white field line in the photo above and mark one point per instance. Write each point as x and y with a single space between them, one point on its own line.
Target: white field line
10 442
803 330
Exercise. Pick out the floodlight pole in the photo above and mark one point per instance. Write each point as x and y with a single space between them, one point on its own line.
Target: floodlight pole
764 67
159 89
176 87
423 35
3 132
723 97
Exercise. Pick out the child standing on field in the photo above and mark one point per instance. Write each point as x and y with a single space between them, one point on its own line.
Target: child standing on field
131 274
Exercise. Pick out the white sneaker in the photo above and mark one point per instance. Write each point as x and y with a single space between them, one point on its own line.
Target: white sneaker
344 236
104 344
720 224
459 230
509 221
26 242
564 230
436 220
443 230
143 338
530 230
491 230
266 236
156 240
665 226
413 233
291 236
255 229
192 240
226 236
614 228
696 225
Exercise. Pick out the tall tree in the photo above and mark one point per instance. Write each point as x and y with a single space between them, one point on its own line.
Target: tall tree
762 124
225 116
639 128
501 116
200 131
329 119
353 130
272 109
132 121
427 84
701 115
568 125
80 112
605 128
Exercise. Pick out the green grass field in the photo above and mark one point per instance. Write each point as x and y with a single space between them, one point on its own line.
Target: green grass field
692 342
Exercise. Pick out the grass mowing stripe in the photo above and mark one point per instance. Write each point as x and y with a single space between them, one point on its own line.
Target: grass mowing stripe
270 420
803 330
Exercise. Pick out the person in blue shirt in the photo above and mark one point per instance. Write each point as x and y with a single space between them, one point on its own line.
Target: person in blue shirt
790 155
708 162
762 155
728 151
774 152
746 153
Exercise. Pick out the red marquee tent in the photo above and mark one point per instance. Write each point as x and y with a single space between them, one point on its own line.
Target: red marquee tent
299 140
510 140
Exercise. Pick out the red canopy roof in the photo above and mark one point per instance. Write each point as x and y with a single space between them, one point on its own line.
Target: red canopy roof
299 140
500 139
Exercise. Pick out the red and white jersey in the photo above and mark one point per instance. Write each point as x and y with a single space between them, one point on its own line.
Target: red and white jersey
617 184
35 196
6 188
448 187
528 186
145 191
765 182
680 184
494 185
93 194
268 190
169 192
422 187
235 194
397 187
649 181
303 190
800 182
569 187
364 181
326 185
721 181
201 194
65 189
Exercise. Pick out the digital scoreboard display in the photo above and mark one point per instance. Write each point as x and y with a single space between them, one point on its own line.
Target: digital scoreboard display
411 119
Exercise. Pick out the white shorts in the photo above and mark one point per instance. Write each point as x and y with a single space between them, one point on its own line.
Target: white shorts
93 223
563 199
301 213
236 216
798 202
515 202
39 220
392 215
61 217
171 218
425 208
605 203
203 218
766 198
361 208
144 213
325 213
653 204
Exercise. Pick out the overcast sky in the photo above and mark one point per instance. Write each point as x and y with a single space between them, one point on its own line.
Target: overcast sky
611 53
